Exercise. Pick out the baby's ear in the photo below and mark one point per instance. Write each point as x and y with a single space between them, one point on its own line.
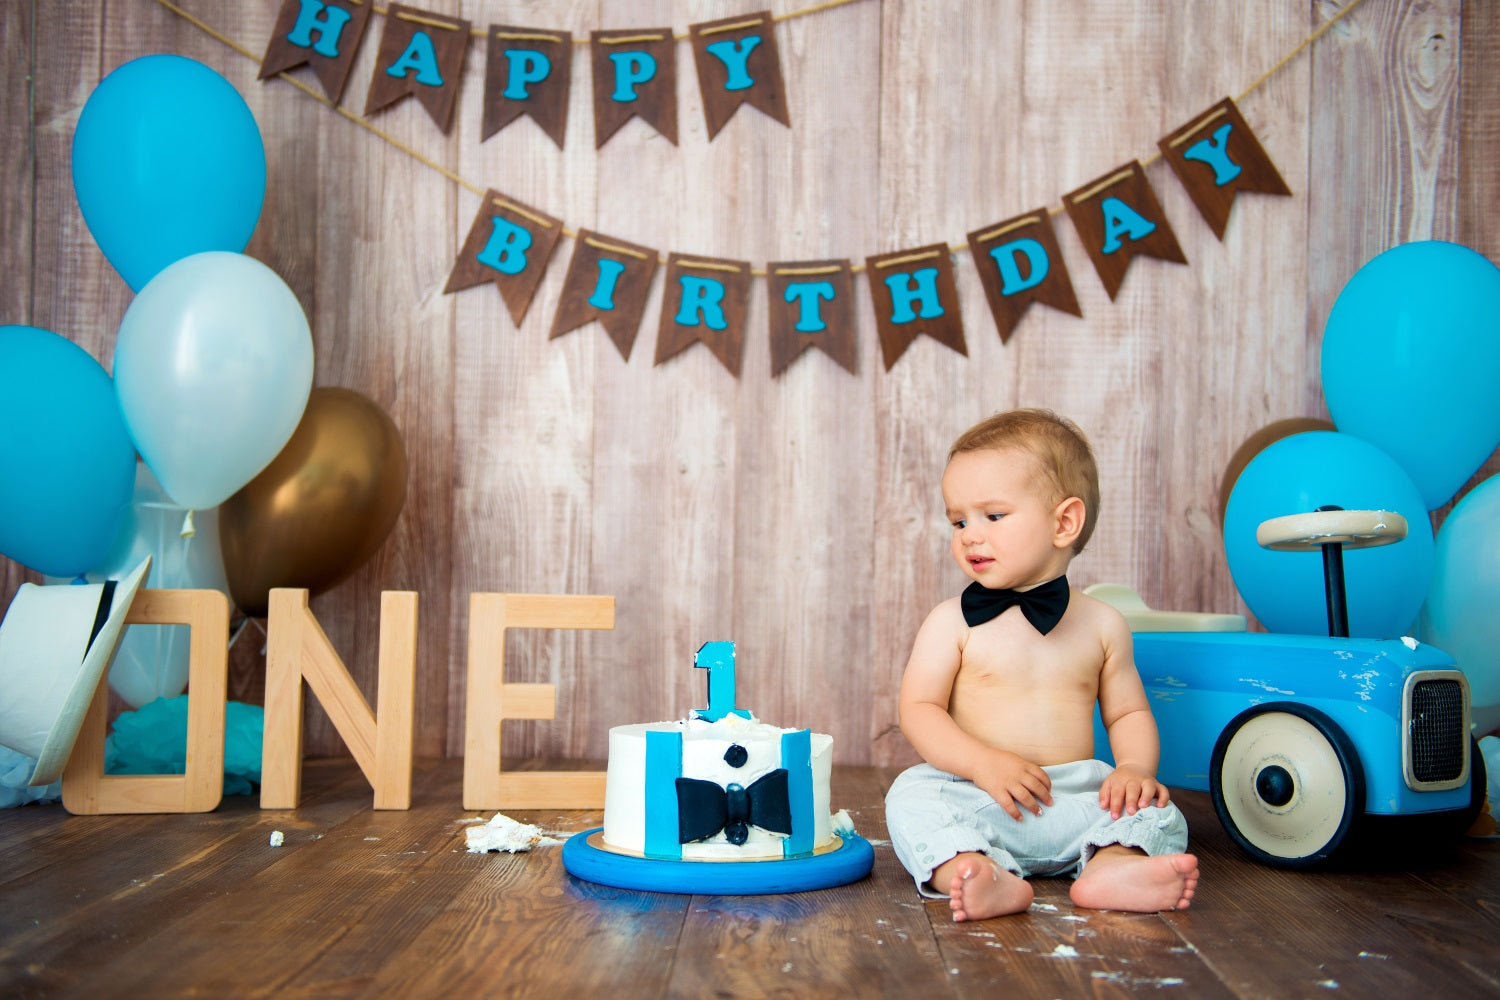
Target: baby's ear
1070 516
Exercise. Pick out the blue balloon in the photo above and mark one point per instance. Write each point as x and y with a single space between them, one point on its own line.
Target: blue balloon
1459 617
67 466
1411 359
167 162
1385 586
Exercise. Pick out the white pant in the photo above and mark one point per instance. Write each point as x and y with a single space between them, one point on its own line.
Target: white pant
934 816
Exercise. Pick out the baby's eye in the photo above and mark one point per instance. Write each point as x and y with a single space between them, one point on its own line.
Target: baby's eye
994 517
959 523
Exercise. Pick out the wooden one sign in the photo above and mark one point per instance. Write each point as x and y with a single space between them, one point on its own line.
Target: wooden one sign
380 741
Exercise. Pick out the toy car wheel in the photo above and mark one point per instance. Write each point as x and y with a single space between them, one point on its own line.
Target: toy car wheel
1479 784
1286 784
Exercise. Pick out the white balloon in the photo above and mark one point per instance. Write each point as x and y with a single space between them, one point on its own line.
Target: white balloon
213 365
152 660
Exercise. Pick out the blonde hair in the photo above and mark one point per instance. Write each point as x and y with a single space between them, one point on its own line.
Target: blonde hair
1059 447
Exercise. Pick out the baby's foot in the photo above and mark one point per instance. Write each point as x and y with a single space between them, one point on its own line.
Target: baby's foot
1119 878
979 889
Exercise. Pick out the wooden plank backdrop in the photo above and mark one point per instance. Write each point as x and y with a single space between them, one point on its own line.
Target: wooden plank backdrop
798 516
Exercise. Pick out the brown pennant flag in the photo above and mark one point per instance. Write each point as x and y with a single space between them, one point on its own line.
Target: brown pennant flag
509 244
325 36
1118 217
1216 156
738 63
635 74
811 305
420 53
706 298
1019 262
527 72
914 293
607 281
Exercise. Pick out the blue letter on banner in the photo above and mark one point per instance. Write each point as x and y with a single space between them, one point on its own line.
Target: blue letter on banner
631 68
808 295
1005 258
604 288
526 66
701 297
329 27
421 56
507 246
1213 152
734 59
1120 217
903 295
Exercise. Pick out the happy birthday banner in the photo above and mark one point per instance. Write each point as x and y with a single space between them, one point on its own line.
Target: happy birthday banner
529 71
1118 217
914 292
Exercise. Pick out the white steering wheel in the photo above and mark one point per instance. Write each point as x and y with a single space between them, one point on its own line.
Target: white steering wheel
1355 529
1332 530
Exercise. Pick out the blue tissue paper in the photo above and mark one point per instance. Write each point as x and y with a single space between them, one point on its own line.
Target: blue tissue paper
153 740
15 771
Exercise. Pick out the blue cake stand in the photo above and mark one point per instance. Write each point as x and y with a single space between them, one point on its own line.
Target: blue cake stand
586 856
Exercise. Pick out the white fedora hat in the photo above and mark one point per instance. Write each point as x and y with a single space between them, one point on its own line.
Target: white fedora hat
56 643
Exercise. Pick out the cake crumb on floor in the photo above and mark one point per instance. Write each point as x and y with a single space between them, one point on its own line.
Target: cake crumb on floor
502 833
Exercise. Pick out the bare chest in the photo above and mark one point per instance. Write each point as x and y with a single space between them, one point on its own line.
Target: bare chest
1008 657
1033 695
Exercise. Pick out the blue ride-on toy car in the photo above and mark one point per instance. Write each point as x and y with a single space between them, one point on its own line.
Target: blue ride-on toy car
1303 740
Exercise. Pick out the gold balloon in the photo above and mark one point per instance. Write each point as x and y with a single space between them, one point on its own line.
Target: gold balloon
323 505
1257 443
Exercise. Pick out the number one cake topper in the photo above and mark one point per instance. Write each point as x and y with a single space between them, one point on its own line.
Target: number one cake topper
718 659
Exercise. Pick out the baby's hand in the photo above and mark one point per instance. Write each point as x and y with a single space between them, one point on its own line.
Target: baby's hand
1129 789
1015 783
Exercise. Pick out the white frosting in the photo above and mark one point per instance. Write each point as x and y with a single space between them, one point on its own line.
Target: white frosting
703 747
504 834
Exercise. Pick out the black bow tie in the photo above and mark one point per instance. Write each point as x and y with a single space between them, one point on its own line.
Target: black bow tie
1043 606
703 808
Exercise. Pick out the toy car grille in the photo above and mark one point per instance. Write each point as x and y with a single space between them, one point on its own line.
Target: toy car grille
1437 731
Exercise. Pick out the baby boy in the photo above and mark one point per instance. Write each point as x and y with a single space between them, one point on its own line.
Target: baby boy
999 696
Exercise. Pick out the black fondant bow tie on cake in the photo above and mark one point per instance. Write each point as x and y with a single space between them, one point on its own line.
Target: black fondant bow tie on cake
1043 606
703 808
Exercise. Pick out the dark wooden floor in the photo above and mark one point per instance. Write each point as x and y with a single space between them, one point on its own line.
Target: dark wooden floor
360 903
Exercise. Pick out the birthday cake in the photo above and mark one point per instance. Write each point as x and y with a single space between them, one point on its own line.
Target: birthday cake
720 785
719 803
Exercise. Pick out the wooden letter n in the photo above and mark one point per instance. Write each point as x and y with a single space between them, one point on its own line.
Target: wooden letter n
490 701
296 650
